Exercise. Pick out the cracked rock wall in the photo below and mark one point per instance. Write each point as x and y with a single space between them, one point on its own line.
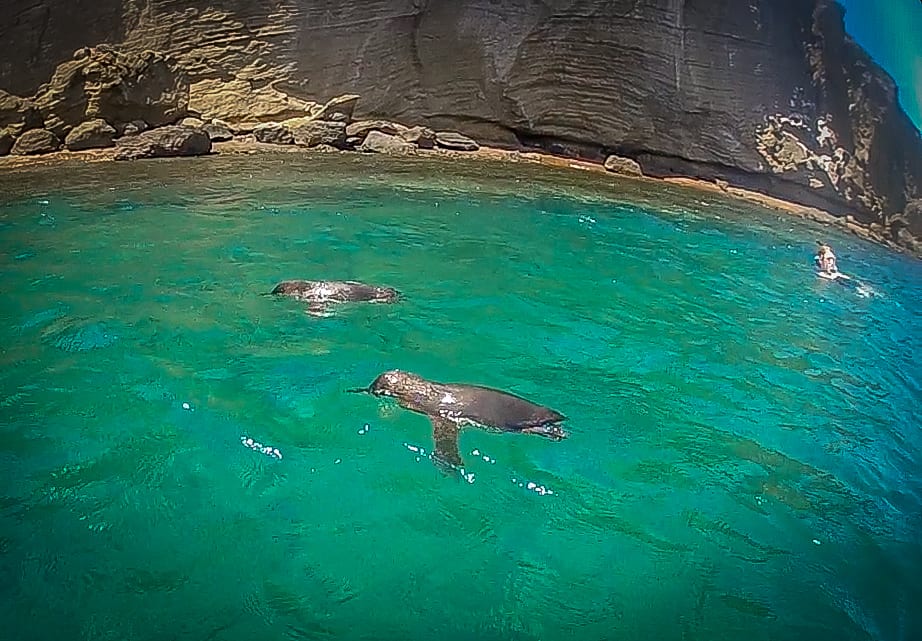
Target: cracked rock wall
767 94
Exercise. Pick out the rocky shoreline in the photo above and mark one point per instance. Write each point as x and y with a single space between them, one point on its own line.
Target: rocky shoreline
249 146
106 105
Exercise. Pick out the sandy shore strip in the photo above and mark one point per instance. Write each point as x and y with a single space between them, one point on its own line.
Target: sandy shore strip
239 147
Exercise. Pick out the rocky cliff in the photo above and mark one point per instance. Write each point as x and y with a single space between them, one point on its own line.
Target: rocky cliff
767 94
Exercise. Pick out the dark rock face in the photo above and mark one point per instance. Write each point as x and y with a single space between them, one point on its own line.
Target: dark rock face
36 141
6 142
134 127
164 142
766 94
92 134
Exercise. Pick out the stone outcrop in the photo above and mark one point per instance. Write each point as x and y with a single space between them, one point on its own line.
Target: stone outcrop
164 142
218 131
92 134
361 128
242 105
625 166
18 114
770 95
455 140
382 143
308 132
134 127
422 137
35 141
6 141
114 85
273 132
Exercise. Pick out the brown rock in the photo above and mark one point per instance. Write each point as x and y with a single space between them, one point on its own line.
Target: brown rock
382 143
36 141
308 132
422 137
339 109
18 114
91 134
192 121
164 142
625 166
218 131
6 141
273 132
456 141
237 102
116 86
361 128
134 127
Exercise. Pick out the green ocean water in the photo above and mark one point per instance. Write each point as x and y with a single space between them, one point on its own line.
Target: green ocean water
744 450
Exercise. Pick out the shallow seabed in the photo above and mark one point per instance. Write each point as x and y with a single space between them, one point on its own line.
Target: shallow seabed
745 438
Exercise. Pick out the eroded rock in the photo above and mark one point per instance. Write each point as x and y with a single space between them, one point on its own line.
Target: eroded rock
361 128
382 143
625 166
242 106
273 132
92 134
134 127
164 142
338 109
6 141
218 131
18 114
422 137
456 141
36 141
308 132
118 87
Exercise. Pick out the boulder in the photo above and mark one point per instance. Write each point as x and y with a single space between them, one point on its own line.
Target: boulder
92 134
273 132
218 131
621 165
456 141
242 106
164 142
361 128
191 122
382 143
339 109
36 141
6 141
422 137
308 132
18 114
134 127
118 87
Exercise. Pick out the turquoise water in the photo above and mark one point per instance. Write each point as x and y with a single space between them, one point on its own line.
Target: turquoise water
745 439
